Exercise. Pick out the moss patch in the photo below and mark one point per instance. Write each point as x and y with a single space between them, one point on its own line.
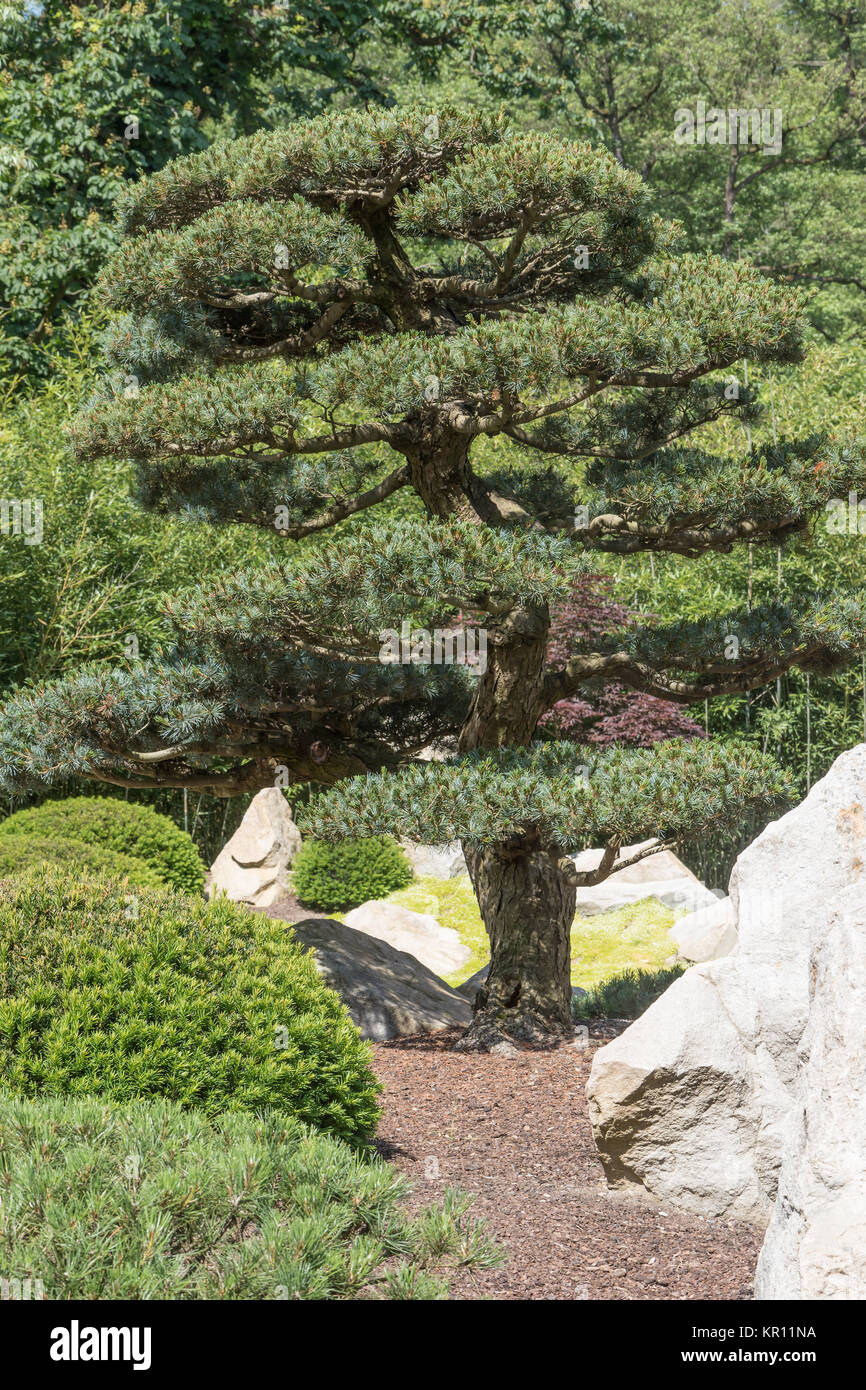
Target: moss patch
602 946
629 938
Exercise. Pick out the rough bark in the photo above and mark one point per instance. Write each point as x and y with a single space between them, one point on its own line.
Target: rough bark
528 908
527 904
439 470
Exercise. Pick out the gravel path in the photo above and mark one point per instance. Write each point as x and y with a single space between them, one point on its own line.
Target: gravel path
514 1131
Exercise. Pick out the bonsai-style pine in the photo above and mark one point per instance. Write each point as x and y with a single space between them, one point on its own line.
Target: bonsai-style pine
317 319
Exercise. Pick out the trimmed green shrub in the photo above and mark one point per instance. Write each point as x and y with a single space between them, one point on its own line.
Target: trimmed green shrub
122 826
145 1201
21 852
210 1005
335 876
624 996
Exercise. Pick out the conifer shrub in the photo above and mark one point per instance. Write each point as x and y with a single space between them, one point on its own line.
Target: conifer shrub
21 852
626 995
122 826
341 875
145 1201
156 994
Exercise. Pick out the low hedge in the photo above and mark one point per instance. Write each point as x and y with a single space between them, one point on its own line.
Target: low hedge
210 1005
122 826
21 852
350 872
145 1201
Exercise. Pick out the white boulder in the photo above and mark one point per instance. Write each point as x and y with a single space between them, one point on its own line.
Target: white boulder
653 868
696 1100
435 861
252 867
419 933
662 876
707 934
815 1247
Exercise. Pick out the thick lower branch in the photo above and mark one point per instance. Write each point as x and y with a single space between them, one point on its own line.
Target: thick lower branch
638 675
351 506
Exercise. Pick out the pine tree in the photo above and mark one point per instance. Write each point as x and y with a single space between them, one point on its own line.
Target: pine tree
314 320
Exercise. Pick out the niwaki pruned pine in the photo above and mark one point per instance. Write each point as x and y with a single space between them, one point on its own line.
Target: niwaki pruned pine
314 320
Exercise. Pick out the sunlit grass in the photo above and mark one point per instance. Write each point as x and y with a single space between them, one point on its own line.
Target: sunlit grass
632 937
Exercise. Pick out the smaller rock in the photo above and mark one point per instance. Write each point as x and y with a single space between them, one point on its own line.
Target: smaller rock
678 894
655 867
662 876
418 933
435 861
470 987
388 993
253 866
707 934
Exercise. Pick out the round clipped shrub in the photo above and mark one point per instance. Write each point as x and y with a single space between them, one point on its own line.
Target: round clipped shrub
21 852
348 873
122 826
210 1005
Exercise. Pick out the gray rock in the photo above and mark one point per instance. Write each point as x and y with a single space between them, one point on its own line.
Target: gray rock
655 867
815 1247
470 987
435 861
678 894
696 1100
388 993
419 933
662 876
253 866
707 934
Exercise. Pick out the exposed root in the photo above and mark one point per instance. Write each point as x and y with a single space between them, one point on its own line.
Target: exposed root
489 1032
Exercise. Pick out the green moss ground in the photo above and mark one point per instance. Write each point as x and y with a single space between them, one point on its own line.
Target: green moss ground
602 946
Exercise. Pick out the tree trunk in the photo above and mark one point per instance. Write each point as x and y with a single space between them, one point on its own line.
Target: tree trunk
526 902
528 908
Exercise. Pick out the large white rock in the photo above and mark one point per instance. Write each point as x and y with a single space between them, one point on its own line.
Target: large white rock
435 861
252 867
707 934
695 1101
419 933
815 1247
654 868
662 876
388 993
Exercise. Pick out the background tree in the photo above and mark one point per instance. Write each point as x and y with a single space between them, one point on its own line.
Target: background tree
95 94
618 71
90 589
609 712
296 309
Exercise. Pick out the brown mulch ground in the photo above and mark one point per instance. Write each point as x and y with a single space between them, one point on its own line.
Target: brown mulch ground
514 1131
288 909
